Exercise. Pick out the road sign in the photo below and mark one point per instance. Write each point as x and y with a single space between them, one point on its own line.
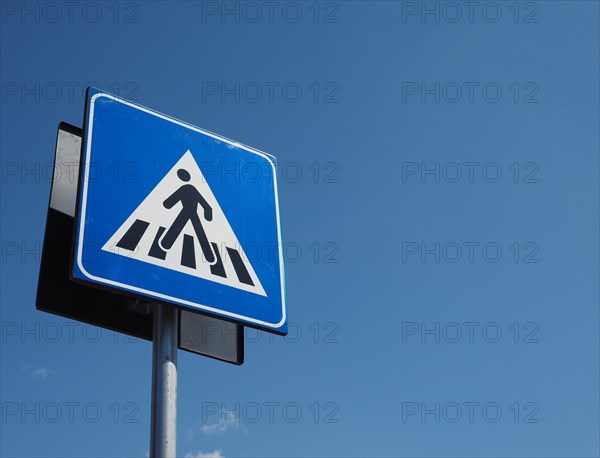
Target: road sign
170 212
56 294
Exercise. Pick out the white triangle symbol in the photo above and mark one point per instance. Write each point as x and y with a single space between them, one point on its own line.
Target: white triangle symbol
173 237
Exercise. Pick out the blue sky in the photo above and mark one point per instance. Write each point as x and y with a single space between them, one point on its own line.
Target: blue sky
439 201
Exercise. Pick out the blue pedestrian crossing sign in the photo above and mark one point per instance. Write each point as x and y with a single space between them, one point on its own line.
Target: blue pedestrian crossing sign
173 213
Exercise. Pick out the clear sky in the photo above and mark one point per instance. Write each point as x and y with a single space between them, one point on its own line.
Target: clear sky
439 178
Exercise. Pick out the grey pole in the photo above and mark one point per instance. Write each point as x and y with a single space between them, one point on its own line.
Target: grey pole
164 382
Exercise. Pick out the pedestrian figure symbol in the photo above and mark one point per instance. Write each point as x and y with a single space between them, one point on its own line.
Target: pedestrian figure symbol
179 215
189 197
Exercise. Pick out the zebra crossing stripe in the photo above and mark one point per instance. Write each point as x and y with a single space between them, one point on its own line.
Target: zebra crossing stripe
239 267
156 251
188 254
132 237
217 268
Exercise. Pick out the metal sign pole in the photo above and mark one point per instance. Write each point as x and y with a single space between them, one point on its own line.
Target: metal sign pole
164 382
